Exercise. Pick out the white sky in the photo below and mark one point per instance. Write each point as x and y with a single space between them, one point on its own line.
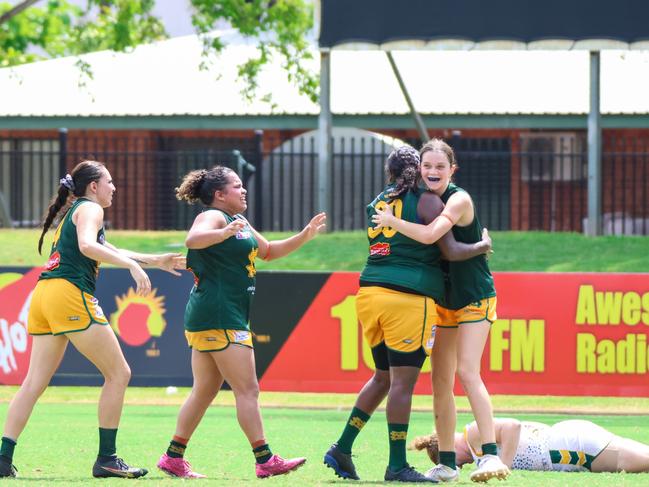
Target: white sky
174 13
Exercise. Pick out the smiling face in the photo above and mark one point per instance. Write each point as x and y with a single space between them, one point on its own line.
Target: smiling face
232 198
436 171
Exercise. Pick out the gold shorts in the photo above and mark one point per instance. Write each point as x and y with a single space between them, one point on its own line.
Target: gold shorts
405 322
217 340
58 307
482 310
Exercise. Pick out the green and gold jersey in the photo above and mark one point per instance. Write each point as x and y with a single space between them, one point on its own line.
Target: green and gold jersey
224 282
66 260
470 280
396 260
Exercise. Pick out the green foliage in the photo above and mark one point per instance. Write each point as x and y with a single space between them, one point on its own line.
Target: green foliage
278 27
59 28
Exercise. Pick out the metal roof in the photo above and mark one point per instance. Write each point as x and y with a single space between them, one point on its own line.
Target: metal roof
480 24
164 80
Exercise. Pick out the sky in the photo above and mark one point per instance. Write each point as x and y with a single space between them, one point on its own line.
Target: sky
175 14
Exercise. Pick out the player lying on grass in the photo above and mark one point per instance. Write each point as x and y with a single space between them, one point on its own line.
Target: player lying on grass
567 446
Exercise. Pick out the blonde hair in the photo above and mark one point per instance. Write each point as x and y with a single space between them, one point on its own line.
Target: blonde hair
430 443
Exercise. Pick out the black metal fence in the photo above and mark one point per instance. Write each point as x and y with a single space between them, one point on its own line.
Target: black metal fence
537 181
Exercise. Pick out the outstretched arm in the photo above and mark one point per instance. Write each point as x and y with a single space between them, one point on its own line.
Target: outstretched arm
167 262
280 248
89 219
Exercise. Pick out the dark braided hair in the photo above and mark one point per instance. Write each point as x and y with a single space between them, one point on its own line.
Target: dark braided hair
402 169
73 184
201 185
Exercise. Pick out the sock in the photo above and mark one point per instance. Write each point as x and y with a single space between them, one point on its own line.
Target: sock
489 449
398 435
7 448
261 450
447 458
355 423
177 447
107 438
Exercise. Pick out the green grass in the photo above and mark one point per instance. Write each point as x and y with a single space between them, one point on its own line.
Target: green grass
59 446
347 251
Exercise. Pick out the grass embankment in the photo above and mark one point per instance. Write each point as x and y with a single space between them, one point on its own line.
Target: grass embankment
347 251
503 405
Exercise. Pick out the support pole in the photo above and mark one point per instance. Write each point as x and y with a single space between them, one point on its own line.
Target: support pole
594 226
324 138
419 123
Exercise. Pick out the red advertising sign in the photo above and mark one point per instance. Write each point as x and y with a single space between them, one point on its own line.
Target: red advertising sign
558 334
15 343
562 334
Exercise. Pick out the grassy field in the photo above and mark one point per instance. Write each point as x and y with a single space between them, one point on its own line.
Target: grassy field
59 443
347 251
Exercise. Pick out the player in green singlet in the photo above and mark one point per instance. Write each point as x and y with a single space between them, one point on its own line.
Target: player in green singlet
464 321
63 309
223 247
399 286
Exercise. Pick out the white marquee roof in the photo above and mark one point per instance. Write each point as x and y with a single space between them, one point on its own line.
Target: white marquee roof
164 79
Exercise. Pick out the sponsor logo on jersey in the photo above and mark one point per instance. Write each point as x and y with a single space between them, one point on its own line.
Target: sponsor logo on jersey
99 312
102 239
73 318
380 248
241 336
53 262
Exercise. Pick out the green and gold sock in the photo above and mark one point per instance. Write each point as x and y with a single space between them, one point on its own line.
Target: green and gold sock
355 423
262 453
177 447
398 435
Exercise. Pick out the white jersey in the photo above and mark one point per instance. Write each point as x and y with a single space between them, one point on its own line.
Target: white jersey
568 446
532 452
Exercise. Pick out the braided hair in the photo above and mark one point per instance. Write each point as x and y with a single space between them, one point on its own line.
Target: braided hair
402 169
200 185
73 184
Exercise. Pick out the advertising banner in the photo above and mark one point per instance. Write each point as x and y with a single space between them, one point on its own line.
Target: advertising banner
558 334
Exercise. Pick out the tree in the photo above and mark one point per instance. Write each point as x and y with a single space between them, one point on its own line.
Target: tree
41 29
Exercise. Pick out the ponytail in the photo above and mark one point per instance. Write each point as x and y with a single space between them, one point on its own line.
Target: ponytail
73 184
200 185
58 202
